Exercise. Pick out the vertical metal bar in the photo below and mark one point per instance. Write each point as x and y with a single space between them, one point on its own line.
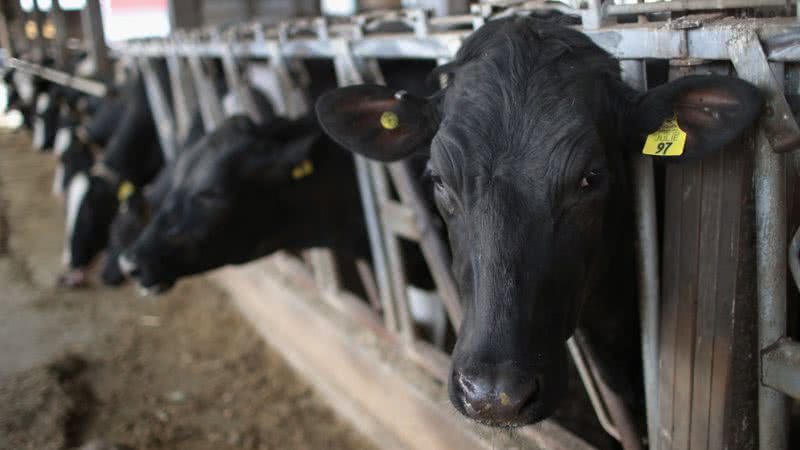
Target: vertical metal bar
347 74
92 20
238 84
375 231
433 248
771 242
393 254
210 107
159 106
633 72
750 62
183 97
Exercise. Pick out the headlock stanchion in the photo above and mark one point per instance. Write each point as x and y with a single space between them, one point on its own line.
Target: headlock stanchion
707 214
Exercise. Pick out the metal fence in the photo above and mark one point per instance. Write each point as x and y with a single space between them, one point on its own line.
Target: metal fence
762 49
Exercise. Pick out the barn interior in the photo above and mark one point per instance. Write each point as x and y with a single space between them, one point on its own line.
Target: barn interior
329 318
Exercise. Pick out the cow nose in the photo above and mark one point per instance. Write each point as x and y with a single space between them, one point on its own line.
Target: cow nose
497 400
128 265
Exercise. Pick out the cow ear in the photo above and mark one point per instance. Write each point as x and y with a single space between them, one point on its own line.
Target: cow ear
277 161
693 116
377 122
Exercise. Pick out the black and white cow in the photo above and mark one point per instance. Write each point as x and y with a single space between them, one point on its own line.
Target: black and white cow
77 145
131 159
528 146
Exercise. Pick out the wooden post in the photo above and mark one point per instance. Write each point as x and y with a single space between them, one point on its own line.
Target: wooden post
707 348
92 19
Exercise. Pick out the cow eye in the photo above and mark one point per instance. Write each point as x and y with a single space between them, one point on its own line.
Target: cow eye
590 179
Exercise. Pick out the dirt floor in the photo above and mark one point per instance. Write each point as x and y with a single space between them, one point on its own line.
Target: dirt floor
103 368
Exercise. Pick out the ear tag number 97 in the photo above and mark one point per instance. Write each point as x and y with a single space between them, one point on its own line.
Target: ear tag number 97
668 140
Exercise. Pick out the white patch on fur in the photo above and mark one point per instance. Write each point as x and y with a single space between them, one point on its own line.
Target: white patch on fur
42 103
76 193
38 134
24 85
58 180
63 140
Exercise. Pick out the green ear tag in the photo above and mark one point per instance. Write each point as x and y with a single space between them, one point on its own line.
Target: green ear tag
389 120
126 189
668 140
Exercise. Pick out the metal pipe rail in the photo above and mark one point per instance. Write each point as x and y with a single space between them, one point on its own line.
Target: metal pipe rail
704 39
86 85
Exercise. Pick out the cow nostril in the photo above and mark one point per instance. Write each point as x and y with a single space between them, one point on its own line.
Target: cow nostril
498 401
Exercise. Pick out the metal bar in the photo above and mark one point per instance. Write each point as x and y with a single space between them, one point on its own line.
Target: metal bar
92 19
393 254
86 85
375 231
771 242
347 74
633 72
183 97
693 5
209 101
778 122
159 106
794 258
771 283
239 86
624 41
600 409
433 248
780 365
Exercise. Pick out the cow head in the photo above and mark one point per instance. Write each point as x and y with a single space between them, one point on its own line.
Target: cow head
135 211
528 146
222 195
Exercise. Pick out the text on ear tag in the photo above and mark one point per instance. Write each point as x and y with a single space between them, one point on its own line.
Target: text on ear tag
125 190
389 120
668 140
302 170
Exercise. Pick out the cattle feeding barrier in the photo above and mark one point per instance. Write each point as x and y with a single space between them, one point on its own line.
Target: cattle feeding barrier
682 373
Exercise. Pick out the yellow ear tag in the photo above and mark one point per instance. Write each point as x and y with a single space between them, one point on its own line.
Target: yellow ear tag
389 120
126 189
668 140
302 170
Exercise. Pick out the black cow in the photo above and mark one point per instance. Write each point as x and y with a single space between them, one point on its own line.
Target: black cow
131 159
528 147
136 210
245 191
